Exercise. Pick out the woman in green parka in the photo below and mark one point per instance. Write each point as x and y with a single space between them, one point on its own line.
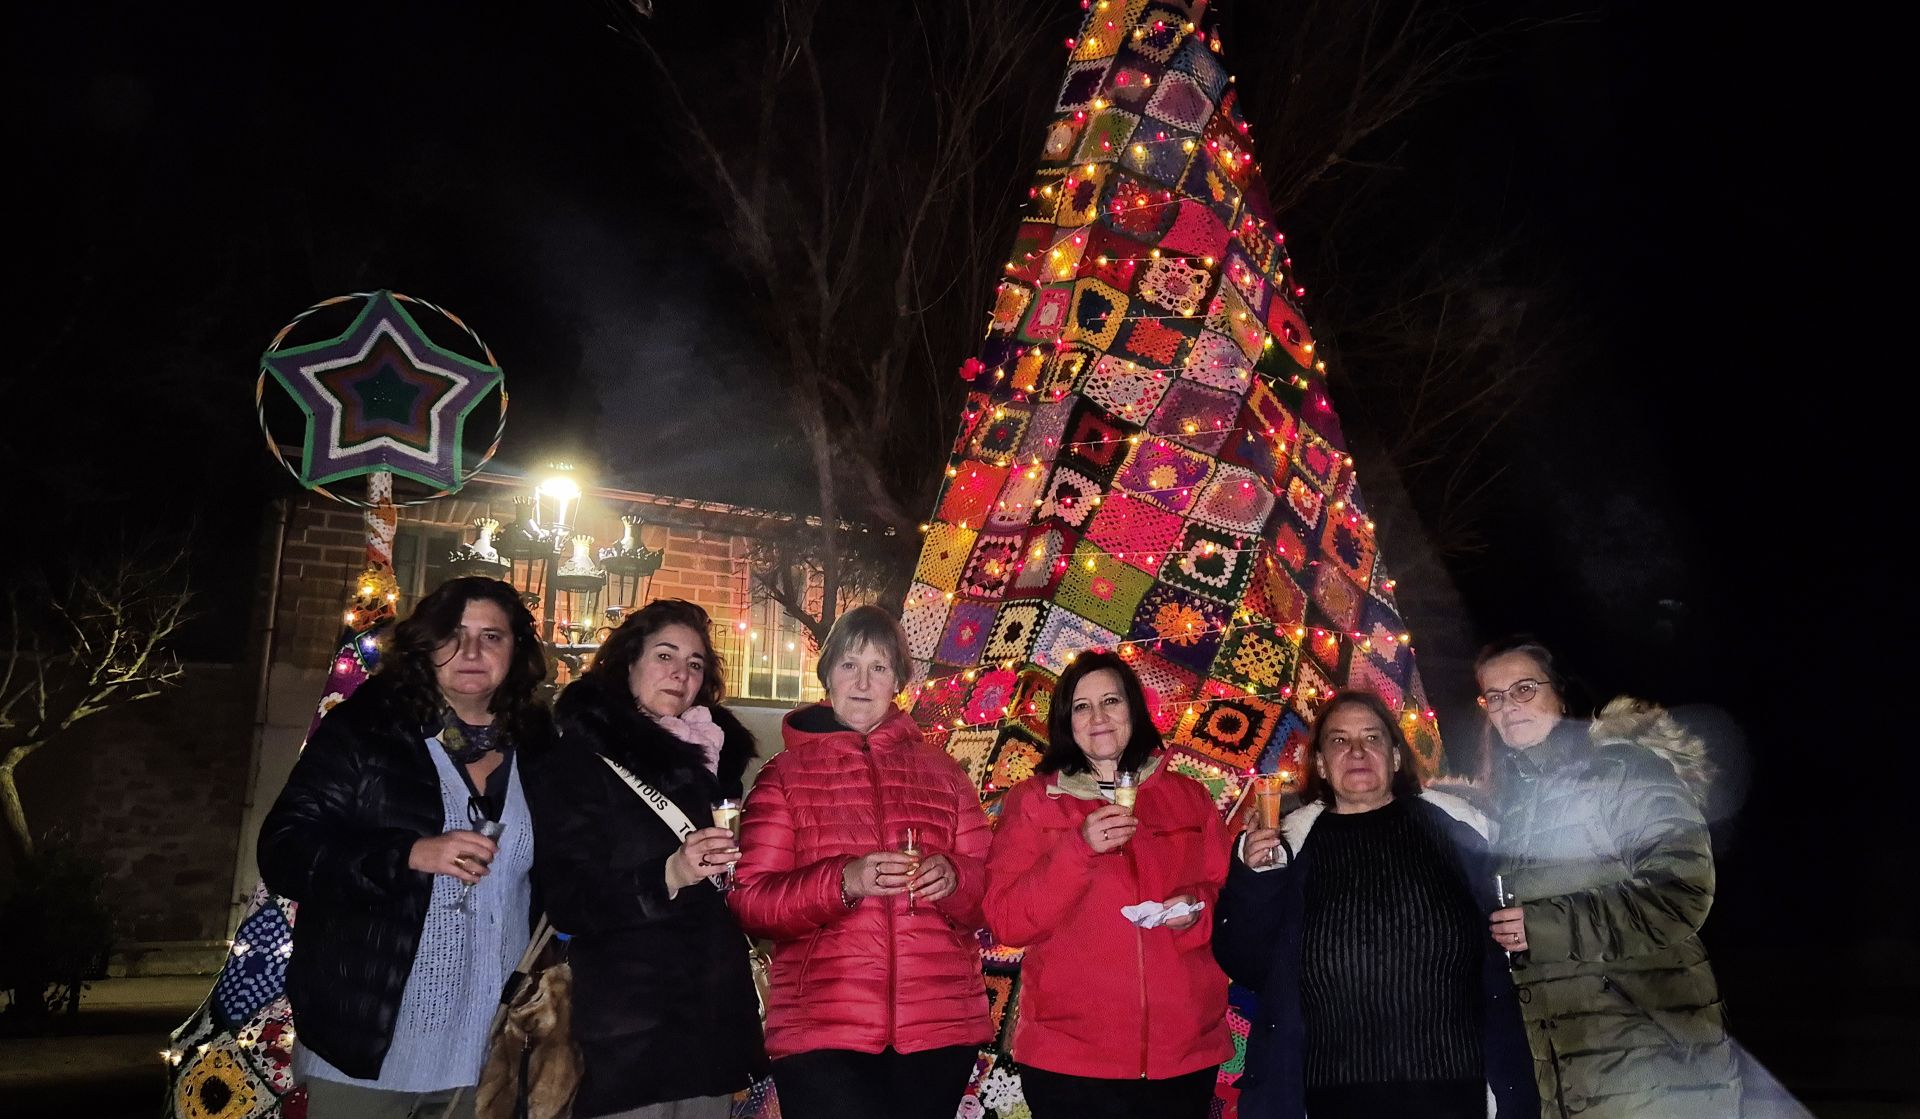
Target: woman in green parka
1606 857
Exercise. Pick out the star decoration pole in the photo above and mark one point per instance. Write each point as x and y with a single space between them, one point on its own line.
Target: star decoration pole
380 399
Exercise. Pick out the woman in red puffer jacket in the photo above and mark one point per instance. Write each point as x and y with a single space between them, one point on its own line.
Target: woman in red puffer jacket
1116 1019
878 1007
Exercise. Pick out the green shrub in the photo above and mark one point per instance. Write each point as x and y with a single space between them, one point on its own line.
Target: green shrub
56 930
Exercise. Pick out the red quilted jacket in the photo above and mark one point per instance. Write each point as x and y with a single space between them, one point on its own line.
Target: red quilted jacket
1100 997
875 975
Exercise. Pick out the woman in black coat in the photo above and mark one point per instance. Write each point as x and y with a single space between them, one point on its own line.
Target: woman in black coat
1380 991
410 920
663 1005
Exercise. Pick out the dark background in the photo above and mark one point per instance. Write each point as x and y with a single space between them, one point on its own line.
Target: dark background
1699 511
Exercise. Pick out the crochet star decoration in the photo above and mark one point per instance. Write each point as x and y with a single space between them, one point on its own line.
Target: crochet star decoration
382 396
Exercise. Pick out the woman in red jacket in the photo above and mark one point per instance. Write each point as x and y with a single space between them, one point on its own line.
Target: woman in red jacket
1115 1019
878 1008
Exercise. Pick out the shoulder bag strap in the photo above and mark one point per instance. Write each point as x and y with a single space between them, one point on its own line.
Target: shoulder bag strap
671 815
664 808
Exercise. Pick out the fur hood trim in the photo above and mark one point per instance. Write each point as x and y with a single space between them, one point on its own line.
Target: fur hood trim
1085 786
1299 823
599 718
1651 727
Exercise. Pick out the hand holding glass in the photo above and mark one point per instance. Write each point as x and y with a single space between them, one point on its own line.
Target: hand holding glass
911 849
463 898
1269 791
726 814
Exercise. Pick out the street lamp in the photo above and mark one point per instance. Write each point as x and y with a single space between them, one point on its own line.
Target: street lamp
630 564
558 569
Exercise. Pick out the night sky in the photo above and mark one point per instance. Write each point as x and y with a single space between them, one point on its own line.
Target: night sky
1692 511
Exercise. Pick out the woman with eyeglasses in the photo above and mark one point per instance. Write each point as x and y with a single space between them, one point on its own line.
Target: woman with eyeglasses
663 1002
1609 871
411 916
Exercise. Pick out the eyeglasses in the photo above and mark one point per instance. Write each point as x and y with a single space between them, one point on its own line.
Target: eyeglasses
1521 691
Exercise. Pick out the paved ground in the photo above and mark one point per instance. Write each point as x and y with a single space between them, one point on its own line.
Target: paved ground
105 1064
1844 1062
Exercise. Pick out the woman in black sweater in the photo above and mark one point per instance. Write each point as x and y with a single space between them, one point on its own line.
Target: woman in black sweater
663 1004
1380 990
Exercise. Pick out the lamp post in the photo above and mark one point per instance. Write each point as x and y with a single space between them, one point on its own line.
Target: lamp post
556 567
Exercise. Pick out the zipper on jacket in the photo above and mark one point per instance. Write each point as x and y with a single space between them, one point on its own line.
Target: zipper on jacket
806 962
1140 955
1559 1087
893 947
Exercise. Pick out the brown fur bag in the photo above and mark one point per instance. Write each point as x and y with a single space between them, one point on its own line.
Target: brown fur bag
533 1067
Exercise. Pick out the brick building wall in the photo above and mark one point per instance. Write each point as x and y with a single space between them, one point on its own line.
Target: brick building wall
163 830
326 548
168 794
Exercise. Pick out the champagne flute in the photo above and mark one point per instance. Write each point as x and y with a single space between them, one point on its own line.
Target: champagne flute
911 849
463 898
1126 789
1268 791
726 814
1504 898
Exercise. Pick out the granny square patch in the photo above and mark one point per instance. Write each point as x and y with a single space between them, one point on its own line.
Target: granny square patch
967 631
944 555
1102 589
1164 473
1211 563
1129 391
1135 531
1014 629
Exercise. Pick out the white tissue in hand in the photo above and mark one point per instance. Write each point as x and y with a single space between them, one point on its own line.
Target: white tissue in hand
1153 914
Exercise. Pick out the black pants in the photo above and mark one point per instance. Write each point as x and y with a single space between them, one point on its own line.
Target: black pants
1425 1099
1055 1095
843 1084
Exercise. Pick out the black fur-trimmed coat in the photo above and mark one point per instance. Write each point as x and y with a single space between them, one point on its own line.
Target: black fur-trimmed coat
663 1005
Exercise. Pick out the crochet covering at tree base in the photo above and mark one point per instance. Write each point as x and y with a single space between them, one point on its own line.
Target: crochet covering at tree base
233 1059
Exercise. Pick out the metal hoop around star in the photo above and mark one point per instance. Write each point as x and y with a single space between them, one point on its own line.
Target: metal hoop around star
381 396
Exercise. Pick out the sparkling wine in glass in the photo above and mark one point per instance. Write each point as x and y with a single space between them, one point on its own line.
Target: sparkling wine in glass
726 814
1126 789
911 849
492 829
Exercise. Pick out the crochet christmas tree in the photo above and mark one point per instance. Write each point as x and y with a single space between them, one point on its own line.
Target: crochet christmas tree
1149 461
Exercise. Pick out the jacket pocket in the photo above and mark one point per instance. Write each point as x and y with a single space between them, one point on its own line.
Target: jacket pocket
1668 1000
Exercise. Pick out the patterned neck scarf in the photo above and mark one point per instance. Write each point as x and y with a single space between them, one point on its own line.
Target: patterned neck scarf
466 743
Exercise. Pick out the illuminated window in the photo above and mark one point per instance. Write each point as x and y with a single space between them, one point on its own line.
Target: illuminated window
768 655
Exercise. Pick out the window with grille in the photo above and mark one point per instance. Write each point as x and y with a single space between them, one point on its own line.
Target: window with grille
768 655
420 560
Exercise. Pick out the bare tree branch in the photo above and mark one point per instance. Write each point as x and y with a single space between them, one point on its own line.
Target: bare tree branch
862 212
100 645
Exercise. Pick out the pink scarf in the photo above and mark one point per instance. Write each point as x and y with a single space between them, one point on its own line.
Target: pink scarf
695 726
